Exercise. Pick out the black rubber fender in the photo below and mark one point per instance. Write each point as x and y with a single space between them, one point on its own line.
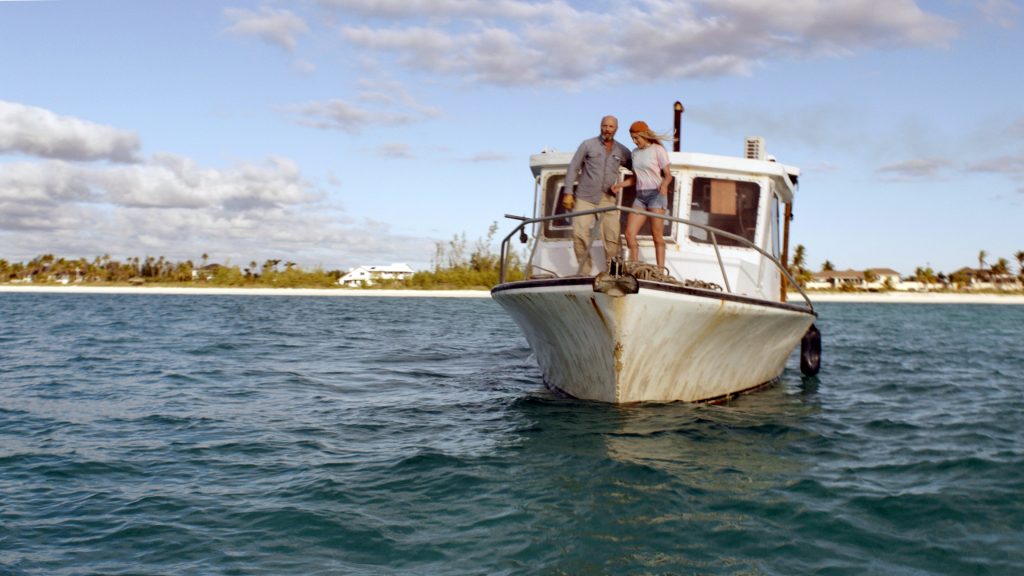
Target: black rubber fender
810 352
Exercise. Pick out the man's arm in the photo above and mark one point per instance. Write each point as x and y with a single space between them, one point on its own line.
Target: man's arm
574 169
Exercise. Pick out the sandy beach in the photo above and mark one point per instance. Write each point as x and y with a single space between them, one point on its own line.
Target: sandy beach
911 297
872 297
244 291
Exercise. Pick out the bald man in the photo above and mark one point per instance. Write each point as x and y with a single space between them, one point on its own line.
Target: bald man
588 185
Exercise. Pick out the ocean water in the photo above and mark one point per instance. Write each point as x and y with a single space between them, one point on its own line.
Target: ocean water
154 434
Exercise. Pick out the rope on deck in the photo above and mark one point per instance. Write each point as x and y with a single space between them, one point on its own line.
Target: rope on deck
644 271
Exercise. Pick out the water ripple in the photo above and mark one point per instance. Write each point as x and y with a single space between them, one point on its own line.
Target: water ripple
250 435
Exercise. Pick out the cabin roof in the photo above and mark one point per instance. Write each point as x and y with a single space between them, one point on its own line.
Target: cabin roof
786 175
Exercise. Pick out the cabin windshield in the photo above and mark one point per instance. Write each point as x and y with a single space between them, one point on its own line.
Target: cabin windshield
728 205
554 190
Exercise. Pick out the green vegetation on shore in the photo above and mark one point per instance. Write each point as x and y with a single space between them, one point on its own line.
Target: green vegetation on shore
104 270
997 277
454 267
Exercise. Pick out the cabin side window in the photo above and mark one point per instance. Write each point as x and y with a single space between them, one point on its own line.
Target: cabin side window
554 189
776 224
728 205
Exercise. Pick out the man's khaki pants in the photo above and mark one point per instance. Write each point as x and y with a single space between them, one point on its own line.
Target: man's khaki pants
581 229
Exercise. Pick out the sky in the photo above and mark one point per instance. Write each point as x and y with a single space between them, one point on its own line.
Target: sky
339 133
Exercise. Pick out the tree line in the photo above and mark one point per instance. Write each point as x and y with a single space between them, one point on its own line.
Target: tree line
1001 268
49 268
454 265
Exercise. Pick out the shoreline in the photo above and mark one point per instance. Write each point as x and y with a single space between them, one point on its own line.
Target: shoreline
910 298
865 297
183 291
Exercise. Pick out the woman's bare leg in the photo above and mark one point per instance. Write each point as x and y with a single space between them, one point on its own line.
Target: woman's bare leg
659 238
634 222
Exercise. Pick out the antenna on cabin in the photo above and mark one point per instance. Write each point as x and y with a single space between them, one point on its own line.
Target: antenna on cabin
755 148
678 108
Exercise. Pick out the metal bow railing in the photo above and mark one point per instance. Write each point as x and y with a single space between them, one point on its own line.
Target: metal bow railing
713 233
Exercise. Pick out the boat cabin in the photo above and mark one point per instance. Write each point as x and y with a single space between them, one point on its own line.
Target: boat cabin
742 196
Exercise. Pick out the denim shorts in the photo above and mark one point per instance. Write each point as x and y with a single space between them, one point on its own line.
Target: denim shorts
650 200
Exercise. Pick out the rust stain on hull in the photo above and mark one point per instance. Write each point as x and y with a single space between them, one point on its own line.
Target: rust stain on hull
593 302
617 358
651 347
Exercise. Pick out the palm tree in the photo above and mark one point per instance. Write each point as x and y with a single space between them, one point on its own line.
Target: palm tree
827 266
799 258
149 267
796 268
1019 255
925 275
981 259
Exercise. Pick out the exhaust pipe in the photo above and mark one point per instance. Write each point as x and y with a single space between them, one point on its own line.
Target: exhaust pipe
678 122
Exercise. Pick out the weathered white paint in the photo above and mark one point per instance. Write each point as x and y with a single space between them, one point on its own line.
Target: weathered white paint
662 345
653 346
748 272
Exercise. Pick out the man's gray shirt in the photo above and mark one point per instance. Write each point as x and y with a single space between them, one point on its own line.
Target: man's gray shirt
597 169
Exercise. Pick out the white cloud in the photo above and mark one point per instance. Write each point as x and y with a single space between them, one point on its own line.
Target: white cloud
396 151
488 157
341 115
405 9
353 118
174 208
277 27
167 182
1000 12
514 42
822 126
1016 129
1011 165
915 169
168 205
39 132
390 93
418 47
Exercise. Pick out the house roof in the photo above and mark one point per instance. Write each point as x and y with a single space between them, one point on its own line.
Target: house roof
850 273
363 271
397 267
830 274
884 271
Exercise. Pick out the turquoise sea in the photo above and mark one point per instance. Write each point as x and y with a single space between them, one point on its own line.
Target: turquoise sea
159 434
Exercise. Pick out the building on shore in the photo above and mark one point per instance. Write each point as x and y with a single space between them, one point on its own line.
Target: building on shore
870 279
370 275
886 279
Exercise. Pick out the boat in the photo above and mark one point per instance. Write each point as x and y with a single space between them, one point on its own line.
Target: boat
713 323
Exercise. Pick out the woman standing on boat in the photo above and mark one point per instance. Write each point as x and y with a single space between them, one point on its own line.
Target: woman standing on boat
652 176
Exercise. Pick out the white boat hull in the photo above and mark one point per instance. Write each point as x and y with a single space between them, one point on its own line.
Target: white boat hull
663 344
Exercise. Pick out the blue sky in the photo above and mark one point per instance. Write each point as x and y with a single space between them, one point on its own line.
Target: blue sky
348 132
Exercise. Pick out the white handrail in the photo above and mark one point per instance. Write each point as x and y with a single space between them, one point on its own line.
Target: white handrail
714 232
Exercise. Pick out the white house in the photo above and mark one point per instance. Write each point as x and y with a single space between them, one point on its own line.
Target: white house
367 275
884 278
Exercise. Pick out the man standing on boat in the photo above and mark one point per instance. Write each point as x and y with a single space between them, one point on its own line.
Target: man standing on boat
596 164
